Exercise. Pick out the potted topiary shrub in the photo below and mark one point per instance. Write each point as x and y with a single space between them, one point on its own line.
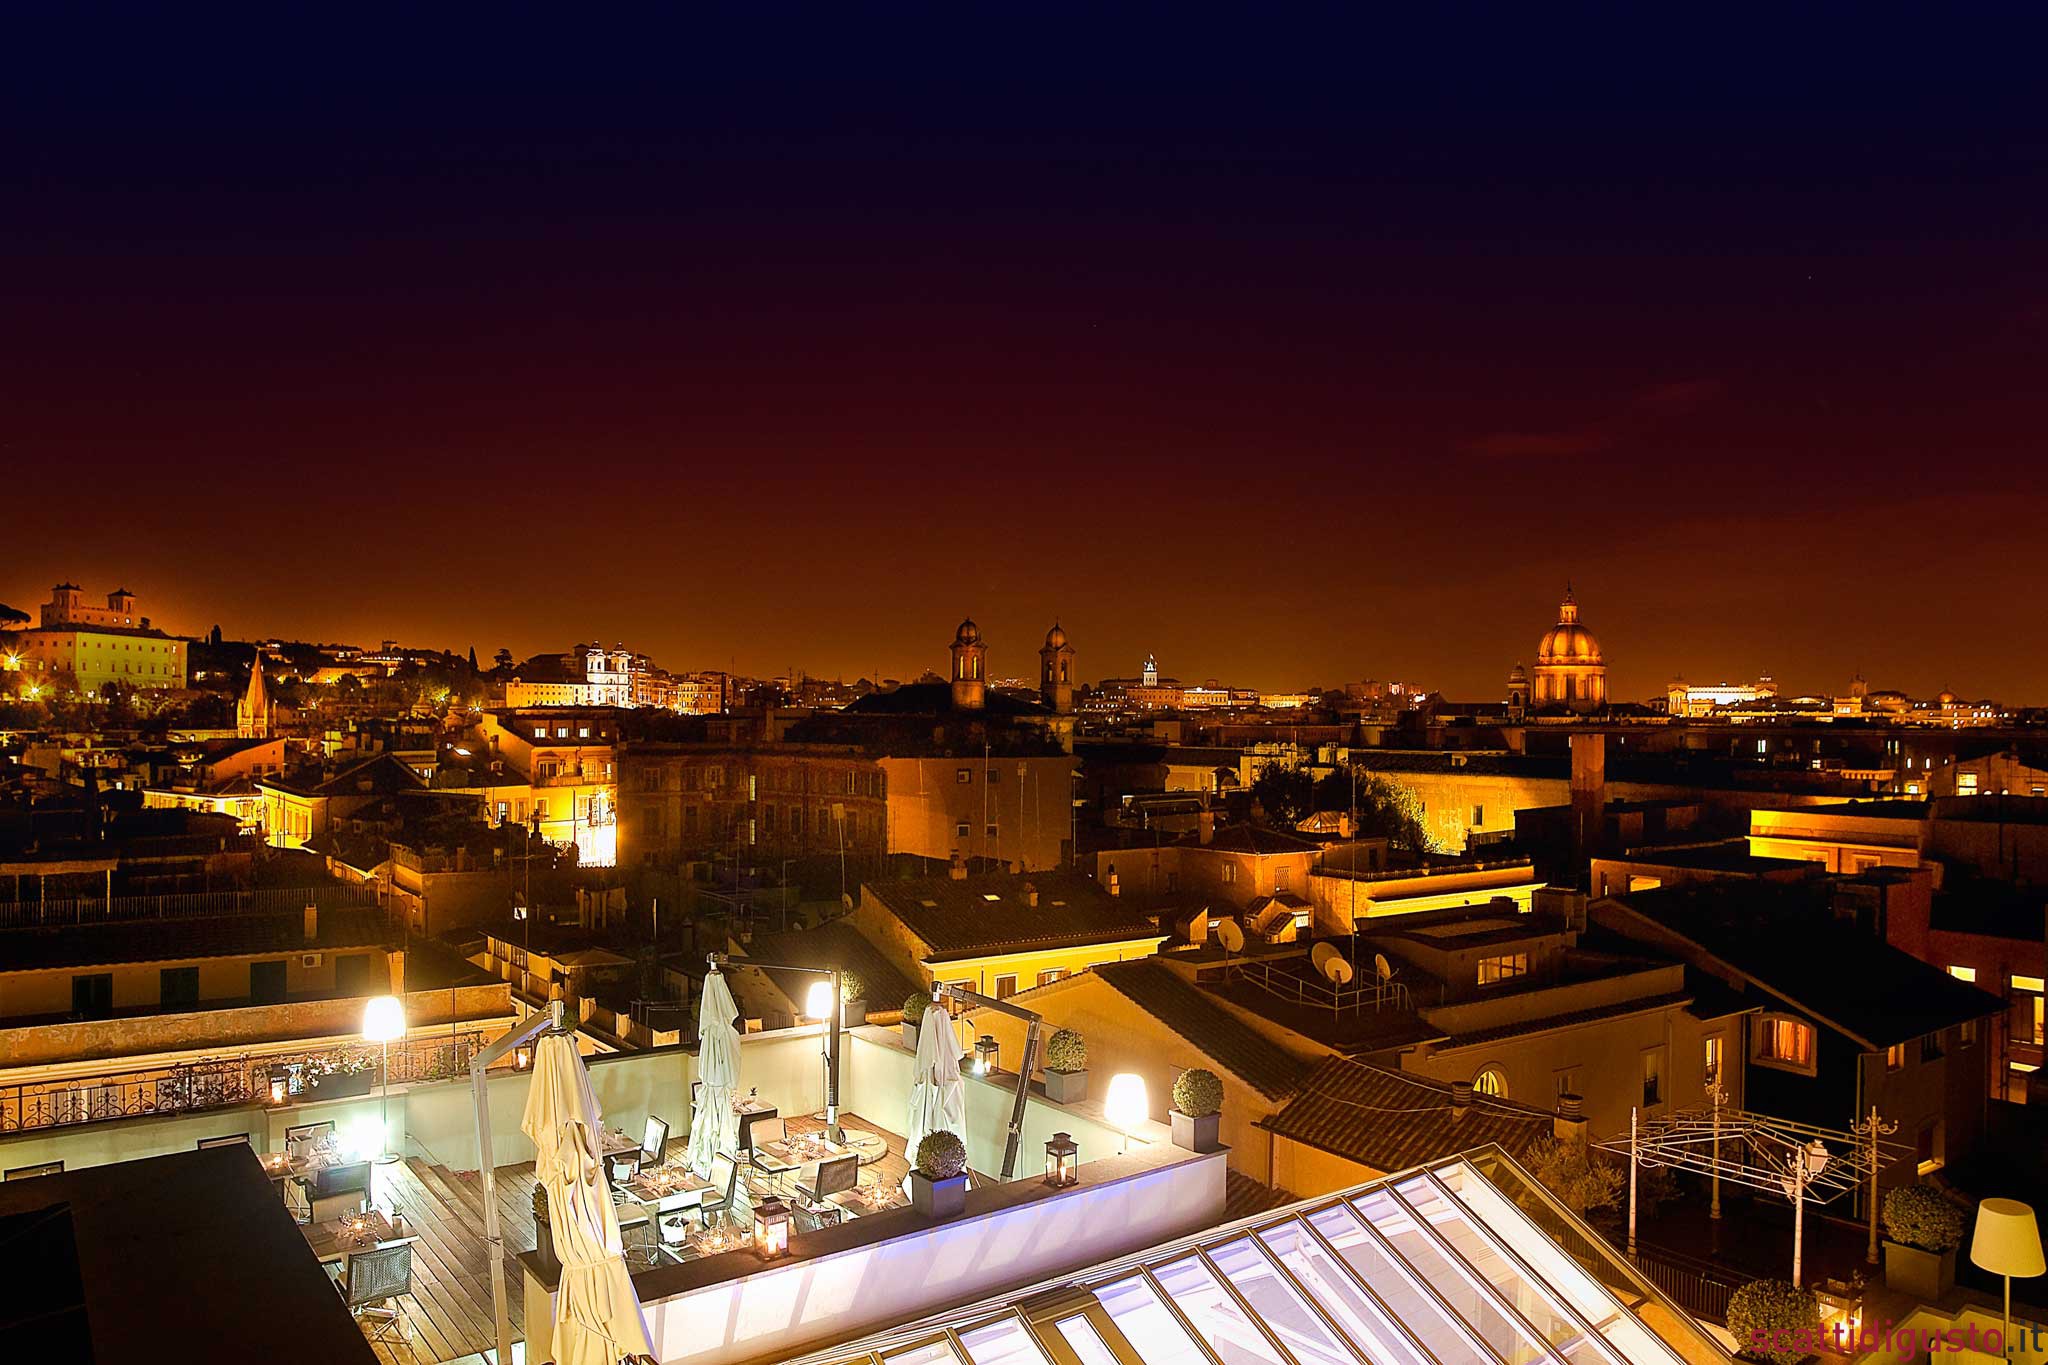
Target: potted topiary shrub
853 999
1775 1321
1197 1110
1066 1067
938 1181
914 1006
1922 1231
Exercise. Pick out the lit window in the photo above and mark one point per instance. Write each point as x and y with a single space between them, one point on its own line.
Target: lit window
1963 973
1713 1058
1895 1057
1786 1042
1491 1082
2028 983
963 775
1494 970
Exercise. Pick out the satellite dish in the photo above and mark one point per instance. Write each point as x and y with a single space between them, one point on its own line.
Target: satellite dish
1331 963
1382 968
1230 934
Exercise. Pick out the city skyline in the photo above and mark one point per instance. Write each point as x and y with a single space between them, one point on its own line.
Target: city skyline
1013 654
1275 371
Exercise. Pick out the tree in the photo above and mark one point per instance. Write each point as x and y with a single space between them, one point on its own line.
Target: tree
503 659
11 617
472 659
1386 809
1569 1170
1287 795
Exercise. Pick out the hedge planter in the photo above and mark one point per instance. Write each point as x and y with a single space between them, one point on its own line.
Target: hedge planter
1926 1275
341 1085
1197 1134
1066 1087
853 1013
938 1198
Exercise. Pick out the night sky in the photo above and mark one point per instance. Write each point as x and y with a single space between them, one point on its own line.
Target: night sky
1290 351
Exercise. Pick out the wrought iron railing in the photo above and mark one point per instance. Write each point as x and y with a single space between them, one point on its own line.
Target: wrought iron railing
35 913
1280 980
225 1082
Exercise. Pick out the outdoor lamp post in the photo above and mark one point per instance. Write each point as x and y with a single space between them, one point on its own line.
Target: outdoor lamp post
1125 1106
985 1051
771 1228
2007 1243
1062 1161
384 1021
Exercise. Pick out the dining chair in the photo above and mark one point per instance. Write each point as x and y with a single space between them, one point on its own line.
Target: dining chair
338 1190
761 1132
371 1281
301 1138
828 1178
725 1180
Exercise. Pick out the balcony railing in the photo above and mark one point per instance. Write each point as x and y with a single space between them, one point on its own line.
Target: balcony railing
225 1082
34 913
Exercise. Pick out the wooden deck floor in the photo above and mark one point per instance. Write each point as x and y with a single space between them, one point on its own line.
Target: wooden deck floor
448 1314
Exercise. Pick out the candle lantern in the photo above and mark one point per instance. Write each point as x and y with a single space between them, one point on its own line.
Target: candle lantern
771 1228
1062 1161
985 1050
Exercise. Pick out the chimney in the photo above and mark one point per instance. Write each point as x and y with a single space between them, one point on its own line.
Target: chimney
1031 894
1461 1099
1205 825
958 869
312 924
1570 1124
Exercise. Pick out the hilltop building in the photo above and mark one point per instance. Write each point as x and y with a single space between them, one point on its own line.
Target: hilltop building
87 647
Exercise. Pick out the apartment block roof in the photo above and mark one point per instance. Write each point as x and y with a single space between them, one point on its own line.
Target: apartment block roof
1217 1033
1389 1120
979 915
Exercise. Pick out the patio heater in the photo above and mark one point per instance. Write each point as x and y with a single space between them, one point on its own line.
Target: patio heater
830 1008
383 1022
551 1020
1033 1024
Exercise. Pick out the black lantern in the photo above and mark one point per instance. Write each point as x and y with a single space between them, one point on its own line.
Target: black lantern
985 1049
1062 1161
771 1228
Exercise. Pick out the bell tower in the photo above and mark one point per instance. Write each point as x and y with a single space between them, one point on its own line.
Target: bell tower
1056 671
970 675
252 712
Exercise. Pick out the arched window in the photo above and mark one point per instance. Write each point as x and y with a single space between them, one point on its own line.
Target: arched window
1491 1081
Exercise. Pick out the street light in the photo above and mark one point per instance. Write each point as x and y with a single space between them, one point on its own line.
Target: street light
384 1021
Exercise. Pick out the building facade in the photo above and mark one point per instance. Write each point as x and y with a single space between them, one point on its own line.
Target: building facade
87 647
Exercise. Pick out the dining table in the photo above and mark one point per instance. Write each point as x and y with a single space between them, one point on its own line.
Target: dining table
874 1197
617 1142
337 1239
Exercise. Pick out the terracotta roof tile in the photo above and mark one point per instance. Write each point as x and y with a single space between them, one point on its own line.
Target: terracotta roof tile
1390 1120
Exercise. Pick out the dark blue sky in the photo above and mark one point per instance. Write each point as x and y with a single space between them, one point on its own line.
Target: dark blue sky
1292 349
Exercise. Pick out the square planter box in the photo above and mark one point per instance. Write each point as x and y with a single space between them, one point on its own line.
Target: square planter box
854 1013
1066 1087
342 1084
1926 1275
1197 1134
910 1035
938 1198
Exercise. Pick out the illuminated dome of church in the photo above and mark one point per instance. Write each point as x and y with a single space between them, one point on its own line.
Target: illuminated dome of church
968 634
1568 642
1055 637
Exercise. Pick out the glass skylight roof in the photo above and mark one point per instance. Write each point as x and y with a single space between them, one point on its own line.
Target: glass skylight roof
1463 1262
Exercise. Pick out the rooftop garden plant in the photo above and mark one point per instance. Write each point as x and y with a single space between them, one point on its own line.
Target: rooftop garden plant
1066 1051
1198 1093
1919 1216
941 1155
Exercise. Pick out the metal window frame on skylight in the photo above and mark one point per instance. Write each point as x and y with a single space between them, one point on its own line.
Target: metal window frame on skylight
1225 1326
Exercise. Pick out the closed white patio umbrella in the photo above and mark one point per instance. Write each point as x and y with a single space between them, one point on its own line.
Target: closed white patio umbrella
597 1313
938 1095
714 1127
